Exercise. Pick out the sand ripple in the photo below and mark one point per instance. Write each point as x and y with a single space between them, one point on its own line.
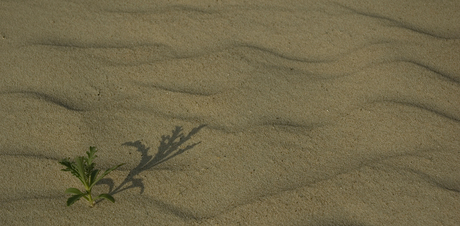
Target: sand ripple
316 112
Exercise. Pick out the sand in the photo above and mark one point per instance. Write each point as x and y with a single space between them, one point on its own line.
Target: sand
315 112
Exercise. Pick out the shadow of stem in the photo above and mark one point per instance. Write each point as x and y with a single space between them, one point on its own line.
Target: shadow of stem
170 146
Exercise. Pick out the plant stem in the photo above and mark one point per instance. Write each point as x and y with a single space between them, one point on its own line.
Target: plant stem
90 198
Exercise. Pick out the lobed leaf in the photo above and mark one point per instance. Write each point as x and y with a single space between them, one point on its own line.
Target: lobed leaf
91 155
81 169
66 163
70 166
92 180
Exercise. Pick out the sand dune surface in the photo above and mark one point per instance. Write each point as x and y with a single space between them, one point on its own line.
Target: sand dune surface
232 112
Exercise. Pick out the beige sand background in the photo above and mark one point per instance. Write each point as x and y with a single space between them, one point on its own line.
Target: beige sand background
317 112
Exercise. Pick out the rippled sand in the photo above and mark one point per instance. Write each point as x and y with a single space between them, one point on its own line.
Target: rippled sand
292 112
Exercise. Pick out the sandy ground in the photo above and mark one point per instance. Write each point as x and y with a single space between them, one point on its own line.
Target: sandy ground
291 112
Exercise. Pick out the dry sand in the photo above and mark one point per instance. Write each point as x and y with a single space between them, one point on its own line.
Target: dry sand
317 112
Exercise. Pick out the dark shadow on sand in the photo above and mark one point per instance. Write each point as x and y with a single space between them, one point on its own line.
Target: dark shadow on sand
170 146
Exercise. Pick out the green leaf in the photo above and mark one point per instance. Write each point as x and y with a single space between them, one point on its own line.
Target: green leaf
73 191
73 199
93 177
67 164
70 167
106 196
91 155
81 169
90 165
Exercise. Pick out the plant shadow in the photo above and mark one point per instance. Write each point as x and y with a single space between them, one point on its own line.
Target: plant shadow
170 146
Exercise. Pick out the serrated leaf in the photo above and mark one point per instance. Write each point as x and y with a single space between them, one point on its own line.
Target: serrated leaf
73 191
106 196
66 163
91 154
93 177
80 168
83 169
70 166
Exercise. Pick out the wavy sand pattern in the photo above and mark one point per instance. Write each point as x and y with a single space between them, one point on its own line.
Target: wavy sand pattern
301 112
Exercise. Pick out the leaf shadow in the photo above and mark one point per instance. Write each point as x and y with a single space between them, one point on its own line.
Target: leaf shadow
170 146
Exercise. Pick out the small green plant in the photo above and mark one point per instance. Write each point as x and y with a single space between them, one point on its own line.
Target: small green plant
83 169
